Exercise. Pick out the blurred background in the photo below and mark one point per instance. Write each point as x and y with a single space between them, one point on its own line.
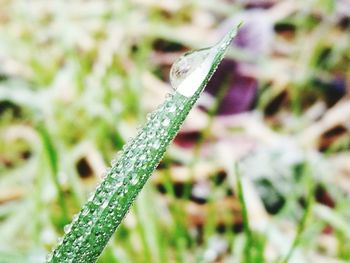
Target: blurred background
78 77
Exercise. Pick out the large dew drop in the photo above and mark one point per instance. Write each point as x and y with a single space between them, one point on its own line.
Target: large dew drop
190 70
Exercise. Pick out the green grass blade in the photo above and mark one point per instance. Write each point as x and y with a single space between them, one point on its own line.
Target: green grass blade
91 229
247 231
51 154
305 217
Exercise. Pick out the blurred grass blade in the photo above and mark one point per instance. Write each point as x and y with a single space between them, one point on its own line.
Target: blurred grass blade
310 200
248 233
51 155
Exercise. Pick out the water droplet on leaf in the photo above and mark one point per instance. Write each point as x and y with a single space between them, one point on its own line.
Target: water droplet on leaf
166 122
105 204
67 228
191 70
134 180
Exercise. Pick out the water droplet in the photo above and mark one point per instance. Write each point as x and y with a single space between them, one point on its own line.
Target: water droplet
67 228
187 74
49 257
172 108
134 180
119 183
85 211
190 70
105 204
98 201
60 241
151 133
156 144
149 116
114 162
166 122
128 167
75 218
79 239
91 197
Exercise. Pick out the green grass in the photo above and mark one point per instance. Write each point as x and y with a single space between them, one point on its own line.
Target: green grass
91 229
77 79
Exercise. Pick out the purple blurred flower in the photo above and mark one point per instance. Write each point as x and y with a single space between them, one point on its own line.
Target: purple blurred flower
187 139
256 35
259 3
239 94
342 8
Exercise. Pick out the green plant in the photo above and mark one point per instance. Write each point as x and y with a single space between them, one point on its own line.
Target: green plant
91 229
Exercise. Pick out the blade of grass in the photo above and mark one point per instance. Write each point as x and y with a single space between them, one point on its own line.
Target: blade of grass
91 229
306 216
51 155
246 228
179 229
